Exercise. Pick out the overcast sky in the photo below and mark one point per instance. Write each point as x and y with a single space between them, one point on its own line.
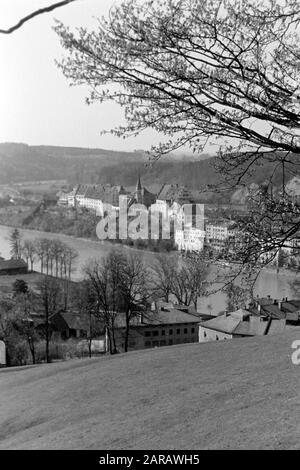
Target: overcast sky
37 106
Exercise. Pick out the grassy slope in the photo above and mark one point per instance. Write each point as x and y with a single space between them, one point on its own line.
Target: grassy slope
236 394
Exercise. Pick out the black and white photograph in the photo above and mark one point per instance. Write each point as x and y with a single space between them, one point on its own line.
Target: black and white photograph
149 229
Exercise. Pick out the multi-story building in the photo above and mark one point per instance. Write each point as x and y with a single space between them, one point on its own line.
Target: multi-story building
94 197
164 327
218 234
170 193
189 239
239 324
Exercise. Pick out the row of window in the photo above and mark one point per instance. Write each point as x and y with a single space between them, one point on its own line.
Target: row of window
170 342
171 332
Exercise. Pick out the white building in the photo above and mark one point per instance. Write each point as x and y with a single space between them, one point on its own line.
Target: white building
218 234
189 239
94 197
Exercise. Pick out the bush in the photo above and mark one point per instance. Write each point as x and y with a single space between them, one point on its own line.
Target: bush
62 350
18 353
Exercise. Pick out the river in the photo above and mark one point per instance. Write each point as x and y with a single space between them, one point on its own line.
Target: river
277 285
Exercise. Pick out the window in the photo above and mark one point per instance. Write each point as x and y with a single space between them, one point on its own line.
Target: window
155 344
170 332
163 332
147 344
155 333
147 333
162 343
170 342
178 331
185 331
217 338
204 334
193 330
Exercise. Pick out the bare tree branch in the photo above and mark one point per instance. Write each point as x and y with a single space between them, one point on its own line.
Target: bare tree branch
32 15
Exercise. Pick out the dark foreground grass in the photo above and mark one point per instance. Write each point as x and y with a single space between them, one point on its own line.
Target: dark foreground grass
236 394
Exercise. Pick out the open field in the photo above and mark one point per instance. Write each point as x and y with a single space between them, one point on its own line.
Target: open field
236 394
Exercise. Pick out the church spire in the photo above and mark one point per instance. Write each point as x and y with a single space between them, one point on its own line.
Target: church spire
138 191
138 184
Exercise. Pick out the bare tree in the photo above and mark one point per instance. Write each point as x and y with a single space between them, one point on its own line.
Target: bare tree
164 271
84 300
40 251
104 277
8 332
49 294
189 281
184 280
135 291
29 252
237 296
25 324
212 72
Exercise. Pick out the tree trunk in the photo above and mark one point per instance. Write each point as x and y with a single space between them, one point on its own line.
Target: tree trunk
47 332
126 333
32 350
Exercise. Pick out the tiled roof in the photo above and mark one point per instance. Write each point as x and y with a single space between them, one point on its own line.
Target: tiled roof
223 323
105 193
160 317
253 326
288 309
75 321
12 264
172 192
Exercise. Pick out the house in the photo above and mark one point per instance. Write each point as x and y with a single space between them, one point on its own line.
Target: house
2 354
98 197
13 266
288 310
163 327
189 239
223 234
238 324
170 193
65 325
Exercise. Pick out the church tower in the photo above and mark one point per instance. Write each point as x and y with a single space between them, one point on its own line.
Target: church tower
138 191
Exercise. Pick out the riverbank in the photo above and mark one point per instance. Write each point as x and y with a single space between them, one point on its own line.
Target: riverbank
269 282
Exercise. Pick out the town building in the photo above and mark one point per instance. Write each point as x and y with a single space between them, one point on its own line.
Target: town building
189 239
94 197
284 309
162 327
141 195
66 325
218 234
170 193
13 266
239 324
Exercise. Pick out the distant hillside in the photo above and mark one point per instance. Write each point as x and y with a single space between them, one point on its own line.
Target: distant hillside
237 394
21 162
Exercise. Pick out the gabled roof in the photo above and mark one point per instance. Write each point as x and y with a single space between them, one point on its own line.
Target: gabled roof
12 264
173 192
105 193
160 317
223 323
285 309
73 321
253 326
